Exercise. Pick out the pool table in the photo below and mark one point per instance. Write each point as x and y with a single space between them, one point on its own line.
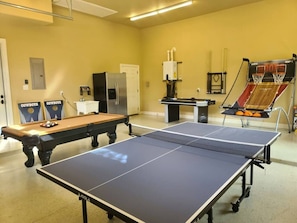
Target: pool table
65 130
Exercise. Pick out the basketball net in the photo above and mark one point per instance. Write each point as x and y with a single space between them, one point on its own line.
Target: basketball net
258 76
280 73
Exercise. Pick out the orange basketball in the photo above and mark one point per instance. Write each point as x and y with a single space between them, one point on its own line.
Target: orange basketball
239 113
248 113
257 114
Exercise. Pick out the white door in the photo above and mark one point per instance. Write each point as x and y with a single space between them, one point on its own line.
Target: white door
5 97
133 94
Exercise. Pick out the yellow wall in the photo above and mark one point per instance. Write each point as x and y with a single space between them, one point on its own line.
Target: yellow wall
261 31
72 51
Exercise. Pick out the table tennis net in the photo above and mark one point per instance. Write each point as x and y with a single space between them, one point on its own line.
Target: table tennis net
207 143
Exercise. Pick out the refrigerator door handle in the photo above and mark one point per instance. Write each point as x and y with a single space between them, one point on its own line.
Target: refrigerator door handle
117 101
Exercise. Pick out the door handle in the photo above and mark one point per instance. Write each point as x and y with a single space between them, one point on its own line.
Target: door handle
2 101
117 94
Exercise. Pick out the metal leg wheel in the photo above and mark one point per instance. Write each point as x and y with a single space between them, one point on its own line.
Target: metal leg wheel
235 207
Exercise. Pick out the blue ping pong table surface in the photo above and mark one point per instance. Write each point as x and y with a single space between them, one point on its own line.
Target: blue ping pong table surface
146 179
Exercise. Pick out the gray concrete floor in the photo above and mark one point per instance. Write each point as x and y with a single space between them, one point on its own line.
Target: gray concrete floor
26 196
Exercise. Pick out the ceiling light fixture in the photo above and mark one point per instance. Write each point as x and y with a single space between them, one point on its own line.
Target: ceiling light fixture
169 8
143 16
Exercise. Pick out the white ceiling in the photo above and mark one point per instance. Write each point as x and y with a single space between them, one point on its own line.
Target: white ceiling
120 11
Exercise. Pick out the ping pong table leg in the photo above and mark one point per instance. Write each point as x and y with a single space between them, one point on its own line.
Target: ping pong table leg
84 210
210 216
245 193
267 154
252 174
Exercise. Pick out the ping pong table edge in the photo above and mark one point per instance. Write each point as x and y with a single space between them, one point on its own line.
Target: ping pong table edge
84 197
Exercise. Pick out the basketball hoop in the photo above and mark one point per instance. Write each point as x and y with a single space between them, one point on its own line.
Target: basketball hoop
258 76
280 73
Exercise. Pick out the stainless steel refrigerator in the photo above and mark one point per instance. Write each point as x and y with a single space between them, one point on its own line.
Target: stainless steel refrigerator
110 89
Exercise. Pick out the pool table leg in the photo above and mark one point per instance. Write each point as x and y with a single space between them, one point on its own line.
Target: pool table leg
28 150
95 142
45 156
112 137
111 133
29 141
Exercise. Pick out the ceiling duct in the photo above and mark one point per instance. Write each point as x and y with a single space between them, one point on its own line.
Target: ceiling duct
34 10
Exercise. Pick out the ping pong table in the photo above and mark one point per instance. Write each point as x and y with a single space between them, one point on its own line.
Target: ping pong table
174 174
